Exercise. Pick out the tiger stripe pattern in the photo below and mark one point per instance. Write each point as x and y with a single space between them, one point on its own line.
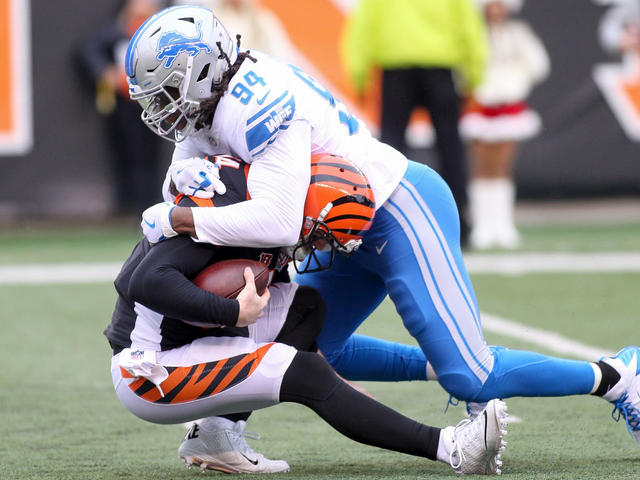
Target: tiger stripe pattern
202 380
341 183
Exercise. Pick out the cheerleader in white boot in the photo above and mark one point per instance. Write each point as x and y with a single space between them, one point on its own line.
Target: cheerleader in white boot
498 119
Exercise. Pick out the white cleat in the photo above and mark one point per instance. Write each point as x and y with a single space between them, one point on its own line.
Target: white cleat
475 446
225 450
625 395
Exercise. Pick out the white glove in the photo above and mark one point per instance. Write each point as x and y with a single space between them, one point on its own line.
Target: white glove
197 176
156 222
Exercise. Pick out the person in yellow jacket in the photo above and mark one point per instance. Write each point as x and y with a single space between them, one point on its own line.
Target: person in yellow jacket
430 52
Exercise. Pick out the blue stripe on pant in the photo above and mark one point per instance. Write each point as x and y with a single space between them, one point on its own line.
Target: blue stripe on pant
413 254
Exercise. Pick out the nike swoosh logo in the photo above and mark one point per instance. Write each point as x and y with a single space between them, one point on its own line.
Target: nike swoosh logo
152 225
255 462
179 171
261 101
381 247
485 428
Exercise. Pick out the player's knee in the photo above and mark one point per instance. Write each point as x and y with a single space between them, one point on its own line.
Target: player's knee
308 379
461 385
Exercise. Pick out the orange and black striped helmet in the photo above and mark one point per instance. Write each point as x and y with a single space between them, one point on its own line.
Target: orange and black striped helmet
339 208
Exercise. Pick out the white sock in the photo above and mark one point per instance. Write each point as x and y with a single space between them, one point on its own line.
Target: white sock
482 206
597 377
445 444
504 198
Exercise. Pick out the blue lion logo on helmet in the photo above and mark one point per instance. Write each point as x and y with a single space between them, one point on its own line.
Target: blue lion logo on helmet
172 44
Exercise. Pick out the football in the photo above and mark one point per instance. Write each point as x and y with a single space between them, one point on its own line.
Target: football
226 278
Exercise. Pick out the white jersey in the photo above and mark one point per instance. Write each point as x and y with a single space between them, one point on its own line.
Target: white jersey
275 116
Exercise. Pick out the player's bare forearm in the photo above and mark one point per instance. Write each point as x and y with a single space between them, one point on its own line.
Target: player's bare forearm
182 221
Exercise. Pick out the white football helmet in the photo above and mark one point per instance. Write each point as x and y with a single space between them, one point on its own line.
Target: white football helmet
172 64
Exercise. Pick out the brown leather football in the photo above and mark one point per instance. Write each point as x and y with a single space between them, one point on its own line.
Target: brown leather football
226 278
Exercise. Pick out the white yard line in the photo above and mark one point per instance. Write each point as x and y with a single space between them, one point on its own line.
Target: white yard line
505 264
56 273
522 263
548 340
75 273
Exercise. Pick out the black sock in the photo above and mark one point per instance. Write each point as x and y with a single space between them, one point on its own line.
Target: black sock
234 417
312 382
609 378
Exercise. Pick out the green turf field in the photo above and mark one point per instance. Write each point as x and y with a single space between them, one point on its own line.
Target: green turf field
61 420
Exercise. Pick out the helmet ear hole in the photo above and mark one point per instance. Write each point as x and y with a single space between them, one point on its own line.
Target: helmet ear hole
204 72
339 205
173 92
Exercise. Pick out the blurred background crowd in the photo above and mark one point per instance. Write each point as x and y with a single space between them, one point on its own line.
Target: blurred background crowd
507 99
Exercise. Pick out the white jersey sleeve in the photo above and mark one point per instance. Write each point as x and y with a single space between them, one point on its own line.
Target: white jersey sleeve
278 184
255 121
274 116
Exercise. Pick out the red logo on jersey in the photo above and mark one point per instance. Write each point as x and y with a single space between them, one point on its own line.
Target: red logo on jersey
266 258
283 259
